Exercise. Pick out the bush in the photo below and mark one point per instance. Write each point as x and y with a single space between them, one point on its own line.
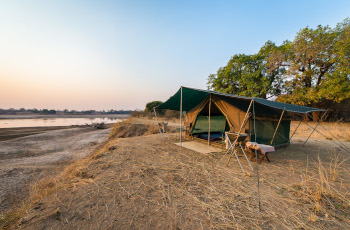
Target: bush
137 114
154 104
125 129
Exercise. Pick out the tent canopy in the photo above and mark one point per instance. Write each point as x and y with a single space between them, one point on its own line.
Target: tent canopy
193 97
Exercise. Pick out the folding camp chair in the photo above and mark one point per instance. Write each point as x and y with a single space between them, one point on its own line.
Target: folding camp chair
163 128
234 140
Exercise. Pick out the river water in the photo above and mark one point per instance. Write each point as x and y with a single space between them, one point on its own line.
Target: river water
43 122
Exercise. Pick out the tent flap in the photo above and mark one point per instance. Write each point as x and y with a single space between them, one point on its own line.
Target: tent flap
190 99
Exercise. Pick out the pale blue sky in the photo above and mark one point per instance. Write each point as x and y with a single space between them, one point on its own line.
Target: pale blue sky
123 54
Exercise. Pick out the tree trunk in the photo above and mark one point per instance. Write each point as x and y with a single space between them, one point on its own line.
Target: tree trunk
315 115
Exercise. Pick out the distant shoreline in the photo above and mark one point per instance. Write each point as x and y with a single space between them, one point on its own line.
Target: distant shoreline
38 116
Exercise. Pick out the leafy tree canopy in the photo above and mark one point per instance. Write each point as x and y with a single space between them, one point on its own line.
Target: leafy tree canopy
246 75
316 65
313 68
153 104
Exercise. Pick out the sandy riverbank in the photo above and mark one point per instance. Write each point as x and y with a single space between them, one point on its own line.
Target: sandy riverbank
12 133
44 152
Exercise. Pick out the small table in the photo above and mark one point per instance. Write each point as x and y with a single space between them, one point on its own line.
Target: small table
262 150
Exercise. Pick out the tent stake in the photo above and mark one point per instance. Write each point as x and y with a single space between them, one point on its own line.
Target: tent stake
209 119
181 118
277 126
315 126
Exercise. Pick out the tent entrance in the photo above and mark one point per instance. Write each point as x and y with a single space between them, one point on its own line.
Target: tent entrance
218 123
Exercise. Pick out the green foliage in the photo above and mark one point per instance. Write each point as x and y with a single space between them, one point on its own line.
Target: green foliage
311 69
316 65
46 111
247 75
154 104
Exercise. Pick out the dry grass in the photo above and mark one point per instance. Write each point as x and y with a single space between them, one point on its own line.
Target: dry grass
327 130
318 198
126 129
144 182
136 127
328 198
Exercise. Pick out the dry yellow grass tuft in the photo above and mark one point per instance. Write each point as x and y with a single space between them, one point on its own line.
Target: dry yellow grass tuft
127 129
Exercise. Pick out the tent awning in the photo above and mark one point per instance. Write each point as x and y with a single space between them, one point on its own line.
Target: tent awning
192 97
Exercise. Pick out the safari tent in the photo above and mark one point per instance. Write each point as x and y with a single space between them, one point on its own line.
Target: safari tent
209 114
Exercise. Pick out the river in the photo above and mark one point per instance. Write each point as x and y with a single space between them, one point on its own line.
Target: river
44 122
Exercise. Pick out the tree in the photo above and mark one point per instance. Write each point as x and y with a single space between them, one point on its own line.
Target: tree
316 65
313 70
154 104
247 75
35 110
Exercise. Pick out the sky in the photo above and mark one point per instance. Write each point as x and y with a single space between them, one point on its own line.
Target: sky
81 54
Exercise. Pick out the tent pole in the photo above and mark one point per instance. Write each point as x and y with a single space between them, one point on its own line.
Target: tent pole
335 137
256 159
295 131
277 126
245 117
181 118
315 126
209 119
347 149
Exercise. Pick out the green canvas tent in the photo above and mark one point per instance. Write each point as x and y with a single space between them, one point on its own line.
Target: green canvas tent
209 113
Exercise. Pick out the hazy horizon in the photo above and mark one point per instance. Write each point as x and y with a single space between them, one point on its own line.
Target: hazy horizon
104 55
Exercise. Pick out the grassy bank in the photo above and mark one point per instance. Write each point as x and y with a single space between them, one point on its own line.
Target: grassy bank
145 182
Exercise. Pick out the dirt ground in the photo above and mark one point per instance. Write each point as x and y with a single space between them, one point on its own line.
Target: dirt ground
26 159
11 133
145 182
